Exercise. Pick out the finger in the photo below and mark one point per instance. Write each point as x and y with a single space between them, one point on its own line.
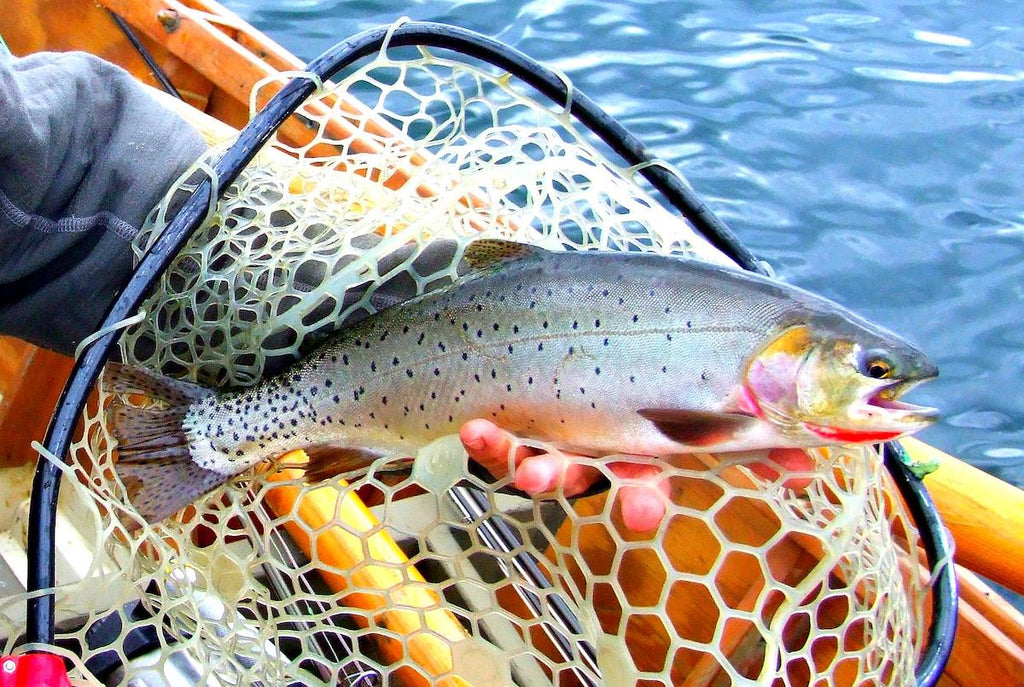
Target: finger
550 471
643 505
489 445
789 459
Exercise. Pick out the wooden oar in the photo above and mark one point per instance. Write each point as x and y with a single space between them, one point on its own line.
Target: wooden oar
984 513
355 554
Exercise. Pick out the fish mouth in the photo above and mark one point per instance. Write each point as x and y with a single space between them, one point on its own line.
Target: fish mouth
882 406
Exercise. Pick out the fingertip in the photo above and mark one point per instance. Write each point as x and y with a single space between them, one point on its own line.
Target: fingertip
474 434
643 508
536 475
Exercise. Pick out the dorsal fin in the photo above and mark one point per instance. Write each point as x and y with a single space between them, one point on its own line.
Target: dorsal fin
484 253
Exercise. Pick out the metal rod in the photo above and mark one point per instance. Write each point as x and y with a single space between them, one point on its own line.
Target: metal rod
499 536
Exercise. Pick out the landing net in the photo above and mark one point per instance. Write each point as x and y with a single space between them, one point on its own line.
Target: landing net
437 578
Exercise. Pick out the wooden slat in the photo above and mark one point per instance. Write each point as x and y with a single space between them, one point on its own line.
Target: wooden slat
60 25
31 380
982 654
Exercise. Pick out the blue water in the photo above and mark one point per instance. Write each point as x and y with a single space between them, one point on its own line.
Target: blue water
871 151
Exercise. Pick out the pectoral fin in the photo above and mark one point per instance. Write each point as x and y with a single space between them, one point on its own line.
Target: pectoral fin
329 460
697 428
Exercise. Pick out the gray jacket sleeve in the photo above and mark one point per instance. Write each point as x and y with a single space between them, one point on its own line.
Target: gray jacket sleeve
85 153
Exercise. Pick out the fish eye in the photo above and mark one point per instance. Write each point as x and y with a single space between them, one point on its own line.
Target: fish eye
877 365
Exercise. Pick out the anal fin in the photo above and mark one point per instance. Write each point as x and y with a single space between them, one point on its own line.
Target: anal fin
330 460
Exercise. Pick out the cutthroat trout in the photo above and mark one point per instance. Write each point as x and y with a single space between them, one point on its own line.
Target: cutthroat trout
597 353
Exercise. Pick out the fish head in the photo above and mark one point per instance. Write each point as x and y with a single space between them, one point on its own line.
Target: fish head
839 384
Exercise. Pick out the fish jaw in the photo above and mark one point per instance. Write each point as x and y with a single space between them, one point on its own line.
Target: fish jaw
879 416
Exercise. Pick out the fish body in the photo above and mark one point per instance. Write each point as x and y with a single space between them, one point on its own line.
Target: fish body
596 353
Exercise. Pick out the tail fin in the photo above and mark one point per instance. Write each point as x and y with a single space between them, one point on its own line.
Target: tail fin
154 459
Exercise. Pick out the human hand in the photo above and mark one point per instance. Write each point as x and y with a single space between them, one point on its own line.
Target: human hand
643 502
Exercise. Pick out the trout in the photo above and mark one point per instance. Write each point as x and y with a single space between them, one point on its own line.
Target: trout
597 353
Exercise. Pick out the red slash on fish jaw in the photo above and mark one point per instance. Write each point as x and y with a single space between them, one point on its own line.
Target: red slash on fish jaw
841 435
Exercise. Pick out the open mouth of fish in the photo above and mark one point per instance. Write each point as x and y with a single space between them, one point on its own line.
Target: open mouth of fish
884 404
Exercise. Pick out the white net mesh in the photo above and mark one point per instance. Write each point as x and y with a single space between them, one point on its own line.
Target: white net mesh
271 580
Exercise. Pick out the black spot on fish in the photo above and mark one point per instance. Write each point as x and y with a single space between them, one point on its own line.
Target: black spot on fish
383 400
582 390
373 366
344 359
593 405
328 383
313 391
668 337
604 293
597 370
419 341
636 318
440 344
479 333
575 324
632 379
405 329
510 348
494 373
515 329
336 398
664 368
384 335
605 342
597 323
496 326
540 346
295 423
437 372
433 395
394 361
476 376
408 373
